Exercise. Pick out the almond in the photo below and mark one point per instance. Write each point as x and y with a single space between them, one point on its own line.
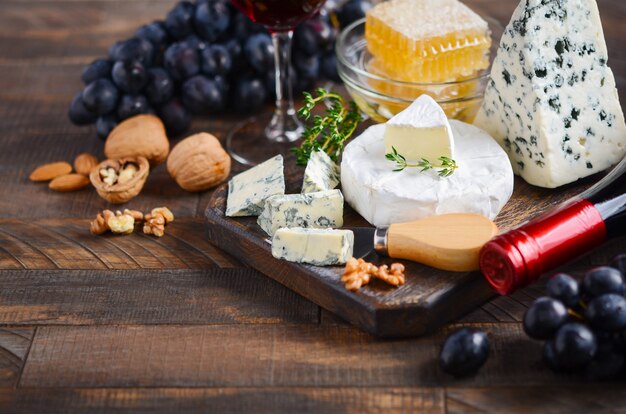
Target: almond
69 182
50 171
84 163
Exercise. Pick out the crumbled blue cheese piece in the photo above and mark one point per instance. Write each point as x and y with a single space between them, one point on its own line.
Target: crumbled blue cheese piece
321 173
248 191
551 102
321 247
323 209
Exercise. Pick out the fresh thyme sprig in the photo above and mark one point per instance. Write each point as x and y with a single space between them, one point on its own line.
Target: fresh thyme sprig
329 132
446 165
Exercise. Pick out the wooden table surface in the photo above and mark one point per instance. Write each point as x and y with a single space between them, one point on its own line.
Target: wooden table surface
100 324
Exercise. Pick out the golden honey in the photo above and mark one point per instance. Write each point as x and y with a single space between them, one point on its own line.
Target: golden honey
427 40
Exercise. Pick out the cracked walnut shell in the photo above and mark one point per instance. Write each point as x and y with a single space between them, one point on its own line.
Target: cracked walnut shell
106 178
199 162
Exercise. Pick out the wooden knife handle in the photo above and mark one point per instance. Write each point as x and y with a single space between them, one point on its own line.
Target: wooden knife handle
448 242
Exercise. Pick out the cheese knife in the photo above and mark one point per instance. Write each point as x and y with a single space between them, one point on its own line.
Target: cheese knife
448 241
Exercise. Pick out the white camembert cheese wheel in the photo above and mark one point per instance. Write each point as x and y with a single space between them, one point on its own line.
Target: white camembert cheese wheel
482 184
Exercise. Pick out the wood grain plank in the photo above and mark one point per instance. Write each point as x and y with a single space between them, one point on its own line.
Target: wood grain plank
14 345
266 355
67 244
224 400
607 398
218 296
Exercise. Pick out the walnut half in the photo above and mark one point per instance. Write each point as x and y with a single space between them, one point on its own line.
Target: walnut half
358 273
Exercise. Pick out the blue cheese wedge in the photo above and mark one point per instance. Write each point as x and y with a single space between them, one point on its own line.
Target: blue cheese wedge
248 191
420 131
321 173
551 102
321 247
319 210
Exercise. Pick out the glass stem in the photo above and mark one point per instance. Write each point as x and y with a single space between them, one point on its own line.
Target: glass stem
284 126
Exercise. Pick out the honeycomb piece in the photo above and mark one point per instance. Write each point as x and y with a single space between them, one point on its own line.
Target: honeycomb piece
427 40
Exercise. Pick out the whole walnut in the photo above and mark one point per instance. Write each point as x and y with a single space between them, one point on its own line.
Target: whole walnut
138 136
199 162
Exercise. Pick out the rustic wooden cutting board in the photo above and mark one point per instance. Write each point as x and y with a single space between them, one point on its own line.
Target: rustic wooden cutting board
429 298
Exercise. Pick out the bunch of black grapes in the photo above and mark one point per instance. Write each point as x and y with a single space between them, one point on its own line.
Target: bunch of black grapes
583 324
205 57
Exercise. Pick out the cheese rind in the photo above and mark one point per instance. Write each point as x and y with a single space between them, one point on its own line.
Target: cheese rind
551 101
420 131
321 173
482 184
248 190
321 247
323 209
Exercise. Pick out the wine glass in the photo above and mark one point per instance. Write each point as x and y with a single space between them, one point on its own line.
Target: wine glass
259 138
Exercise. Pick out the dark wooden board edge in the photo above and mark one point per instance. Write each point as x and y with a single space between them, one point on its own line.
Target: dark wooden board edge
323 286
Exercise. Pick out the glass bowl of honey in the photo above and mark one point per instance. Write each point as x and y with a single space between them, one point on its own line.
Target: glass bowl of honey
381 96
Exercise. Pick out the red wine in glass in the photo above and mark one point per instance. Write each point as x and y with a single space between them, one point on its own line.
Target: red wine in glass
279 15
262 137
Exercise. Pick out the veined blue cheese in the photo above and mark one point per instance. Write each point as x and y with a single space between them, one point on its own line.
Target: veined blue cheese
248 191
421 131
551 102
323 209
321 247
321 173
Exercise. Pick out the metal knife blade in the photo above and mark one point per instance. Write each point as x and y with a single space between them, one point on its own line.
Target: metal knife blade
363 241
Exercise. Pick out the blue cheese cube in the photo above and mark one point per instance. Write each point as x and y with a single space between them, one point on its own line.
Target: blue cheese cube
248 191
321 173
319 210
321 247
551 102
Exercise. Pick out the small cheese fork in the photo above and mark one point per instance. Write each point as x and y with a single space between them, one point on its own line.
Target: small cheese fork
448 241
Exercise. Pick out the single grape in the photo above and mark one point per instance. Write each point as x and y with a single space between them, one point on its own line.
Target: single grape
237 59
79 115
305 39
564 288
211 19
104 125
130 76
181 61
328 67
131 105
100 96
201 95
601 280
160 87
352 11
574 345
619 262
215 60
99 68
175 117
314 36
607 312
154 32
544 317
248 95
179 21
605 366
195 42
464 352
134 49
308 67
259 52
